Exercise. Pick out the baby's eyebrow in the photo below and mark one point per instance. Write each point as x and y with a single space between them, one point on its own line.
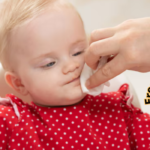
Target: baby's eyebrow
42 56
78 41
52 52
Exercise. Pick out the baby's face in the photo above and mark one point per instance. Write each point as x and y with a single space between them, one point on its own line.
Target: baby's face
49 54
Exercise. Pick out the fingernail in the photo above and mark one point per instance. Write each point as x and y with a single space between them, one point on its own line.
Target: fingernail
87 83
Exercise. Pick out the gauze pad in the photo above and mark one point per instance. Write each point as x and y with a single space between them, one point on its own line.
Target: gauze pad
87 72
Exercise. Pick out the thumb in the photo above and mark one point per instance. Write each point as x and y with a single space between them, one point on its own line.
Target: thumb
107 72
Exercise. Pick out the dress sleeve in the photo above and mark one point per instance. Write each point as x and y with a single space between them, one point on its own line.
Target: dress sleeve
137 122
8 119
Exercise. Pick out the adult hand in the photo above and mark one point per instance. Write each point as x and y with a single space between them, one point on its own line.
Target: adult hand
129 42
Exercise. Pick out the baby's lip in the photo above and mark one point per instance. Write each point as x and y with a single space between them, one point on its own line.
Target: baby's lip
73 80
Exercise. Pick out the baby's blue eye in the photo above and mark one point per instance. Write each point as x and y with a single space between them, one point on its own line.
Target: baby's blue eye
50 64
78 53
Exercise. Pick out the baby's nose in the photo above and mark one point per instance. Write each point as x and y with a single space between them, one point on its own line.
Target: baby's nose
71 66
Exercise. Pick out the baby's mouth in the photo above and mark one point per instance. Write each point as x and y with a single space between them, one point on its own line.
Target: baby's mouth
74 80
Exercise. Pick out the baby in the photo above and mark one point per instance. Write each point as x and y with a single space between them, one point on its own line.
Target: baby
42 45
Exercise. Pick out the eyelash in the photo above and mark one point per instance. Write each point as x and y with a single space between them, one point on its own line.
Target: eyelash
54 62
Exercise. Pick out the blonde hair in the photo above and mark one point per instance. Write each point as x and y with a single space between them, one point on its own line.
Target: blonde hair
16 12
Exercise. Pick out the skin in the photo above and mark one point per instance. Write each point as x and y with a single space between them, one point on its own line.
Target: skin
60 34
128 42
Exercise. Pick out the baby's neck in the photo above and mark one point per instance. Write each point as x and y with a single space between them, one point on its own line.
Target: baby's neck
58 105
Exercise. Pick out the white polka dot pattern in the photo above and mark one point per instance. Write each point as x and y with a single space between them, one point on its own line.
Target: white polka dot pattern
101 122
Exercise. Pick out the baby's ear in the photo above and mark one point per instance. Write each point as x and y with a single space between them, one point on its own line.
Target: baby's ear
14 82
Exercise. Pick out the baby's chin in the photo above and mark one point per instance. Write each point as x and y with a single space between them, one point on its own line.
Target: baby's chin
67 102
75 100
60 105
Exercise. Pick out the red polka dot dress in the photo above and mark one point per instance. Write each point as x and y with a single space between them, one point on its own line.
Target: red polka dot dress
105 122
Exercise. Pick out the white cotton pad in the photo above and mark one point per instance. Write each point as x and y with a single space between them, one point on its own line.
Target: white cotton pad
87 72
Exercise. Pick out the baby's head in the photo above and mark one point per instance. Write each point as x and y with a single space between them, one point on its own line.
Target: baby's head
42 44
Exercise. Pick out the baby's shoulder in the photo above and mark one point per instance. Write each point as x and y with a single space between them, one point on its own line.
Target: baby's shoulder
6 106
111 99
8 114
11 107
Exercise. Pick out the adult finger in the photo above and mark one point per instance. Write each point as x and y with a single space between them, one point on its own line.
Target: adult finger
105 47
107 72
91 60
110 58
102 34
142 69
